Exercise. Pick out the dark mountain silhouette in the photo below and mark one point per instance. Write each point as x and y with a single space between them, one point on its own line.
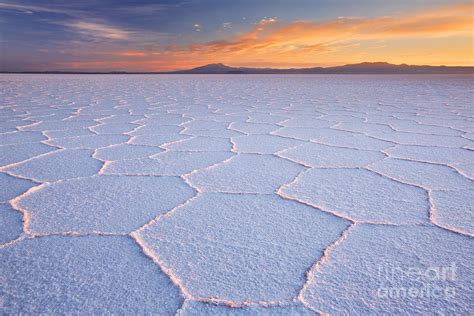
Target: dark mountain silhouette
211 68
362 68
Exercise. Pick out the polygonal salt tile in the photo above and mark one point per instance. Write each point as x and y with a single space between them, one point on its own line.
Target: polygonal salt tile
254 128
112 204
403 138
170 163
229 118
191 308
61 164
83 275
322 156
214 244
360 195
414 127
58 125
309 121
201 144
11 222
263 144
302 133
396 270
18 152
427 175
126 151
157 140
88 142
163 119
340 138
266 118
454 209
13 186
69 133
86 117
199 125
466 169
363 128
442 155
127 118
152 129
10 126
246 173
114 128
223 133
342 118
21 137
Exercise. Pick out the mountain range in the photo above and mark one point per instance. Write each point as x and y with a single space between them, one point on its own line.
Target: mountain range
361 68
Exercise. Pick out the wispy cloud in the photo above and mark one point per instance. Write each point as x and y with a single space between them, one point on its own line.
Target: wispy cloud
98 30
76 20
29 9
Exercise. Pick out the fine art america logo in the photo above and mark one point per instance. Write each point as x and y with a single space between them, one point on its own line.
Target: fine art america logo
418 283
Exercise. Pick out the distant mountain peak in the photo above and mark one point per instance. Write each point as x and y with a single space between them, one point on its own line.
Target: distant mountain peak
212 67
379 67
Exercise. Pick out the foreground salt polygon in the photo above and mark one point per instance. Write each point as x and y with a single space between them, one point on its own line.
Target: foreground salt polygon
231 195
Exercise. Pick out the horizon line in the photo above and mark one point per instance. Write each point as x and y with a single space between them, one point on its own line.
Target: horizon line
69 71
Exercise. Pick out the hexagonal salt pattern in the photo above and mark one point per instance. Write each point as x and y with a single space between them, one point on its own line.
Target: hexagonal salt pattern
246 173
426 175
14 153
360 195
323 156
395 270
268 195
58 165
101 203
83 275
263 144
13 186
11 223
453 209
214 245
170 163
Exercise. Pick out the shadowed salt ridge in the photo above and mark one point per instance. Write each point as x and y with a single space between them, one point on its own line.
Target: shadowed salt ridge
269 195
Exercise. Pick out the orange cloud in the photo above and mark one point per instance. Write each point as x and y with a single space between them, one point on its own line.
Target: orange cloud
298 35
132 54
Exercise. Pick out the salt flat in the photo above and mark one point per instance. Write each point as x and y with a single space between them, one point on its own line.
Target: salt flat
228 194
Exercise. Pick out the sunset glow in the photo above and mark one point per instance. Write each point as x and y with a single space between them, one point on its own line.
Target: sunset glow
172 35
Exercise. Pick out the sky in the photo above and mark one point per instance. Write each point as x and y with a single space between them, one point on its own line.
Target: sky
142 35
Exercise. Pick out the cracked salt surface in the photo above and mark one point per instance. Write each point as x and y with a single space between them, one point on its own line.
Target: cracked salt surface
101 203
11 223
375 263
272 195
199 308
83 275
359 195
58 165
218 243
